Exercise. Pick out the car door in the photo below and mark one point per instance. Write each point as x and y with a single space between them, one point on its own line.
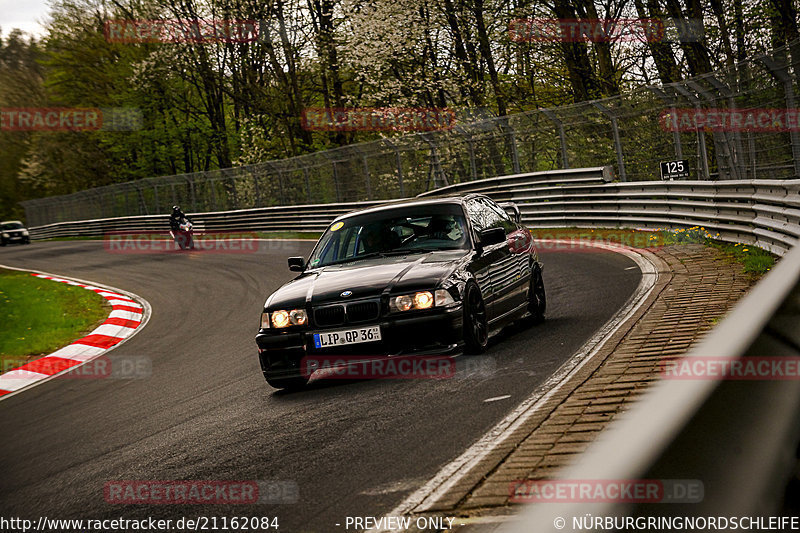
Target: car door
504 271
515 280
494 264
481 263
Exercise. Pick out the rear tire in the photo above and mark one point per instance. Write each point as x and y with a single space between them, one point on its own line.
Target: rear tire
537 299
295 383
476 328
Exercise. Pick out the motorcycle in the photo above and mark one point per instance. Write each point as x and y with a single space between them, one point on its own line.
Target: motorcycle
183 236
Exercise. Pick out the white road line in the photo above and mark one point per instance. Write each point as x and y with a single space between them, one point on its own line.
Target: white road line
497 398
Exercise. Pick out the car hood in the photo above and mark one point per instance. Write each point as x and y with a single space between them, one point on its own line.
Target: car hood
366 278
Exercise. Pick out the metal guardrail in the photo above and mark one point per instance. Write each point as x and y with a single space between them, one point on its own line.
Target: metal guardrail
738 438
764 213
313 217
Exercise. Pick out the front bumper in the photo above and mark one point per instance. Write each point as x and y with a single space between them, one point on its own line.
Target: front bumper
434 332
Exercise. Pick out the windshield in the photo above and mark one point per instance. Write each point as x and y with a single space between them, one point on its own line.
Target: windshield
13 225
393 232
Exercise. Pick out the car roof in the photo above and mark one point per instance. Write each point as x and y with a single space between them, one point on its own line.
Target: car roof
12 222
409 202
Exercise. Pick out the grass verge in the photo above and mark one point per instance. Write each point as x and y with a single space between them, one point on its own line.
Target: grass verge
39 316
755 261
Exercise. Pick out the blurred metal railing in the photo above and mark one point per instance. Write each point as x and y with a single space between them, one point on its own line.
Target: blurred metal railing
765 213
739 438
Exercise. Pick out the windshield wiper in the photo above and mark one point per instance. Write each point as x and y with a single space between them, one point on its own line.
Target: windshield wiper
417 251
354 258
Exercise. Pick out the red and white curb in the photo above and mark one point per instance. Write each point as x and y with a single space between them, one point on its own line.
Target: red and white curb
129 315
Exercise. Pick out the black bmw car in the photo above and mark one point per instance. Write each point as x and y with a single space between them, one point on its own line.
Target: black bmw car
417 277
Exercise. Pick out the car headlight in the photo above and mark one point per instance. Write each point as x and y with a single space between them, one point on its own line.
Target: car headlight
24 233
283 319
5 235
421 300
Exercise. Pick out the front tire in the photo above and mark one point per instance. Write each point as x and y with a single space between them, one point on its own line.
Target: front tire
476 328
537 300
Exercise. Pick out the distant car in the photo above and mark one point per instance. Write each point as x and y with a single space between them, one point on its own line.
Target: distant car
14 232
425 276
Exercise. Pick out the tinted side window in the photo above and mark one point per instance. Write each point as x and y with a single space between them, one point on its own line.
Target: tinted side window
478 215
486 214
504 219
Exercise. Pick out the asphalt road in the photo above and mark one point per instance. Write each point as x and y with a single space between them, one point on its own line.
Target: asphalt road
206 413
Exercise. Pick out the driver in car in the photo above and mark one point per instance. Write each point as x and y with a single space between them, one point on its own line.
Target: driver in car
377 237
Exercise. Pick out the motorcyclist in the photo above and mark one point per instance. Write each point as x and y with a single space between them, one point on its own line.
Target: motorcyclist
182 238
176 218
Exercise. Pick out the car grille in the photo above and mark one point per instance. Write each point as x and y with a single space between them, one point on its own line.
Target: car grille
361 311
336 315
329 316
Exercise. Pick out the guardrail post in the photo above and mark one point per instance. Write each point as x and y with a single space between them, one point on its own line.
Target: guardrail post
213 185
473 169
617 144
336 180
506 128
399 163
560 126
676 135
365 163
436 171
738 153
781 73
702 152
366 177
155 199
718 145
192 193
307 179
279 173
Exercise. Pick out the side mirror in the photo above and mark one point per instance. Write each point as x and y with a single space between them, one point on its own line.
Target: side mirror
512 210
491 236
297 264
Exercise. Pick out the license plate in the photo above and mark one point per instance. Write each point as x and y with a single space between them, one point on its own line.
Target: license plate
343 337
